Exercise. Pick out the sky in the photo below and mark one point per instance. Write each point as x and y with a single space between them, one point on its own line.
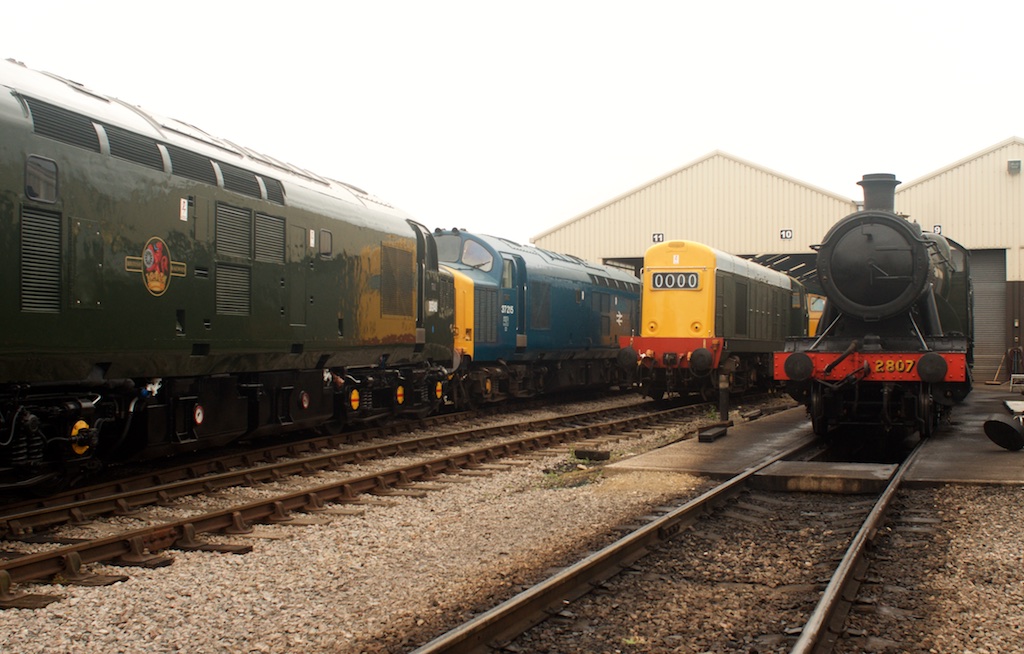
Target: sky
510 118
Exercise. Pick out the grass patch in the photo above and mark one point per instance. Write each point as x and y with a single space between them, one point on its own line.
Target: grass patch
570 473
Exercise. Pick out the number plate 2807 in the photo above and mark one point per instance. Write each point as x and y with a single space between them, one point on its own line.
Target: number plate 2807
891 365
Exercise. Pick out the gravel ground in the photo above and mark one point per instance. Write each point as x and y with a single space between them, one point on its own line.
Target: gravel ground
955 586
384 581
742 580
404 572
946 576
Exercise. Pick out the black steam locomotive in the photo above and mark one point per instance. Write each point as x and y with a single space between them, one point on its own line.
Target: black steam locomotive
894 344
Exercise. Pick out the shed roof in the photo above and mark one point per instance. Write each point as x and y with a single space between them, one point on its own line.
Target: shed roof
656 180
1013 140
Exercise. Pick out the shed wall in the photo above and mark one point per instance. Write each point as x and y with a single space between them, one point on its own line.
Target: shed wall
977 202
988 273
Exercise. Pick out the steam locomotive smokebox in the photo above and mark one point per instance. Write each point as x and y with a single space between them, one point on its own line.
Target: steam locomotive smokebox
875 264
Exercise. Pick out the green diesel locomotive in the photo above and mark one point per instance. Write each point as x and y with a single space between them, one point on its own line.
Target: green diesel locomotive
167 290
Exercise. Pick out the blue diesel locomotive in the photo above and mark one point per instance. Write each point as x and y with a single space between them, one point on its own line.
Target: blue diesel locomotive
528 320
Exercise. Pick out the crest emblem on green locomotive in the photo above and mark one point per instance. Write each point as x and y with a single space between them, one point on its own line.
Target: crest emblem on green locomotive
156 266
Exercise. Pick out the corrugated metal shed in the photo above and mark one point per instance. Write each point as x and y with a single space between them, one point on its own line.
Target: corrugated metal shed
745 209
719 200
977 201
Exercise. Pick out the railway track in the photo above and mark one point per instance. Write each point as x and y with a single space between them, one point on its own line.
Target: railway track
265 463
706 588
66 559
120 478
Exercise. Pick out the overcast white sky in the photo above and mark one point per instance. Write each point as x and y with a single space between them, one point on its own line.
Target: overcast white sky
513 117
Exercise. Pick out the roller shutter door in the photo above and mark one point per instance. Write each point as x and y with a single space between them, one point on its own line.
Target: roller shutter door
988 272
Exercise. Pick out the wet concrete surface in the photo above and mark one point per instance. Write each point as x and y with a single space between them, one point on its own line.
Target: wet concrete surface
959 452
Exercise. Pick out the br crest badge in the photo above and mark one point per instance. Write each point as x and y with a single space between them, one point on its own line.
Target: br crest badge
156 266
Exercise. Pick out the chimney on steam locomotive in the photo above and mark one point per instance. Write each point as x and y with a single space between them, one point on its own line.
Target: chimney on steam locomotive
879 191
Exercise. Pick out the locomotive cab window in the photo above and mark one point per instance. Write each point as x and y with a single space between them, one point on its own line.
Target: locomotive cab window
41 179
476 255
507 278
447 247
326 243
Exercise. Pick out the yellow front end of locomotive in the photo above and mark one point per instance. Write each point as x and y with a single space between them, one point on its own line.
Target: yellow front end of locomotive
464 307
679 290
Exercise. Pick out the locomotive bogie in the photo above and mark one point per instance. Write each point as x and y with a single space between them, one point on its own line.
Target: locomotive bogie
48 435
895 408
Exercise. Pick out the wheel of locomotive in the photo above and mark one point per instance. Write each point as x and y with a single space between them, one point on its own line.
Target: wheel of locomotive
459 396
750 378
927 417
329 428
66 477
819 417
655 393
709 393
709 386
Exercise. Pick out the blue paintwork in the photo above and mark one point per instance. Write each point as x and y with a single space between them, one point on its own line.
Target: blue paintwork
577 308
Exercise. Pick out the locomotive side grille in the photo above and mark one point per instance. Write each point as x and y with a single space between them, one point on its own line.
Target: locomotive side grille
741 309
63 125
234 231
240 180
133 147
191 165
720 303
275 190
233 290
269 238
40 261
485 315
540 306
446 297
396 282
601 304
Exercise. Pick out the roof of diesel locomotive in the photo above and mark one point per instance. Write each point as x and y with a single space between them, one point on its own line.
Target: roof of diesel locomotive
305 189
544 262
660 254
